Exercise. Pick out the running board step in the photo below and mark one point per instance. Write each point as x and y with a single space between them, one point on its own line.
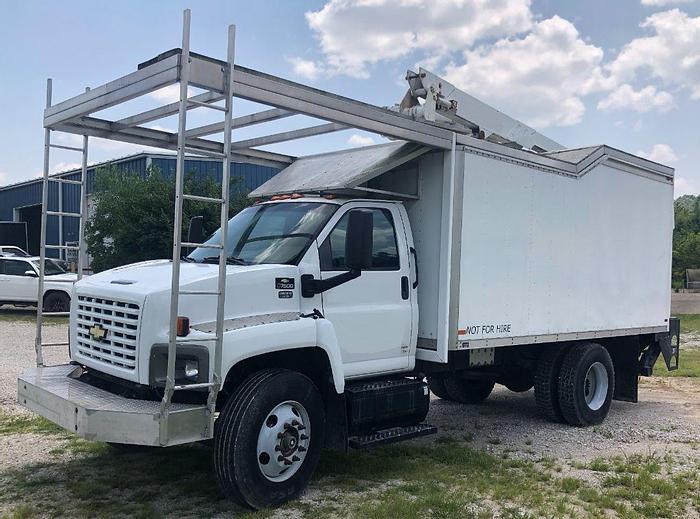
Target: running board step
391 435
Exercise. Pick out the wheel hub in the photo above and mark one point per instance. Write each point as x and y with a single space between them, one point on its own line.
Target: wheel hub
283 441
595 386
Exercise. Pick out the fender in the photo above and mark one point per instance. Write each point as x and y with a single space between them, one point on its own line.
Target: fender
251 341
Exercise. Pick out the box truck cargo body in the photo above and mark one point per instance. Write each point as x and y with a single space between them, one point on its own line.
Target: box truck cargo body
467 251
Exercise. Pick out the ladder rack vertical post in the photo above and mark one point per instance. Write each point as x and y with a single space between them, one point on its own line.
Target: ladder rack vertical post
177 227
225 196
83 204
42 237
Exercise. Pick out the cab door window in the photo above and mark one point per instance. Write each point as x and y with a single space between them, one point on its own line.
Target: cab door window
16 268
385 255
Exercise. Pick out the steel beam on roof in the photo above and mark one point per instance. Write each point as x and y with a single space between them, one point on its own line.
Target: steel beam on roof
165 110
263 88
241 122
149 79
95 127
288 136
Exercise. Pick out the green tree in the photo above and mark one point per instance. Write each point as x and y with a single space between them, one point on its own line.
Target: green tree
134 215
686 237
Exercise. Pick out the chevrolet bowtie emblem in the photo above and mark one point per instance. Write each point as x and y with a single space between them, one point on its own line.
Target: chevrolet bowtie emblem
97 332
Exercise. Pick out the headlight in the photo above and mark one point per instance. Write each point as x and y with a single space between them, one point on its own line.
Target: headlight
191 364
191 369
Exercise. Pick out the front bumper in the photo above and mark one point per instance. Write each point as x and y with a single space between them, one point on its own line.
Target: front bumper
57 394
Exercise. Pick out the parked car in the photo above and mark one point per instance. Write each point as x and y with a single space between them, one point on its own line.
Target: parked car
19 283
12 250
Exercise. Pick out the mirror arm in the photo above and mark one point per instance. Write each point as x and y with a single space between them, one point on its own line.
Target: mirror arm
310 286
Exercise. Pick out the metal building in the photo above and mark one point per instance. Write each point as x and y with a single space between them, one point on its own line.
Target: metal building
21 202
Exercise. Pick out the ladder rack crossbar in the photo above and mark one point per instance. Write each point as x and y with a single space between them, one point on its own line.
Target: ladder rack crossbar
65 181
199 198
63 147
62 247
196 103
64 213
202 245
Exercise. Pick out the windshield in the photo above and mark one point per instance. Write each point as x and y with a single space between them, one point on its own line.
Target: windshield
50 267
269 233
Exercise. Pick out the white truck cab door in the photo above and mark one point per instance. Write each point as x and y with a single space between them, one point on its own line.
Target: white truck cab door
372 314
15 284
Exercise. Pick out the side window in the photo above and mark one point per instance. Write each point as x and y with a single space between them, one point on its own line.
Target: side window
385 255
16 268
2 266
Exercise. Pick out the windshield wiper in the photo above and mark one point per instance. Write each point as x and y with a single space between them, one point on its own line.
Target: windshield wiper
230 260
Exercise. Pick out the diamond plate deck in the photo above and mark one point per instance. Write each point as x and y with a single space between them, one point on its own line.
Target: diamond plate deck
95 414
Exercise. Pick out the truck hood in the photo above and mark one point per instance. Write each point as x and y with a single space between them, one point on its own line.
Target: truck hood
149 277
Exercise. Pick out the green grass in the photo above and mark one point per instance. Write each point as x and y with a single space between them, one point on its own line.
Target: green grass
27 315
689 365
11 423
441 480
689 322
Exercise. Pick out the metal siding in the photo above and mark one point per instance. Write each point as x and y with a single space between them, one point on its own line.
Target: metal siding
251 176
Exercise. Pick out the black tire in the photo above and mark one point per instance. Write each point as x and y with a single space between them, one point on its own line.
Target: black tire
56 302
519 382
236 438
467 391
586 384
437 387
547 382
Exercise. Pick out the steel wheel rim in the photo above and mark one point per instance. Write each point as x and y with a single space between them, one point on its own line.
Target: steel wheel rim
595 386
283 441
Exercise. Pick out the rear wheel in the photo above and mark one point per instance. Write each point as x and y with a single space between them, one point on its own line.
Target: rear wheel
547 382
437 387
468 391
586 384
56 302
519 382
269 438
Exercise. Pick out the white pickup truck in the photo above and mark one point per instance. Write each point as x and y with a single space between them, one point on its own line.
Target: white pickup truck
19 284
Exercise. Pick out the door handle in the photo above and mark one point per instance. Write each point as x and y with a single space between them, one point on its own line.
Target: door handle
404 287
415 262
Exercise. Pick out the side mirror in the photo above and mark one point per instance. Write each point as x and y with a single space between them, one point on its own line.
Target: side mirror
195 234
358 240
30 273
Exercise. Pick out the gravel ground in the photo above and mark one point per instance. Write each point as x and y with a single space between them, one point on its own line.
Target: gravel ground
685 303
666 418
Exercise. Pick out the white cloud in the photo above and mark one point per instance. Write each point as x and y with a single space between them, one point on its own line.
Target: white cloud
683 186
663 3
355 34
65 166
539 78
170 94
661 153
671 55
647 99
4 178
306 68
360 140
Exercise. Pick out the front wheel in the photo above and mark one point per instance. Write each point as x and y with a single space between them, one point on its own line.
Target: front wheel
269 437
56 302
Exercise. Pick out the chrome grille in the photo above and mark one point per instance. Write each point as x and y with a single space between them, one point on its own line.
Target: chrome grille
120 319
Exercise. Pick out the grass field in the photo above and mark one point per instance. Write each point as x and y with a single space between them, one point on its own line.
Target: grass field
446 479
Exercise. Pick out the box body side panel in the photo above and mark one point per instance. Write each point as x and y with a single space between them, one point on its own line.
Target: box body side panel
545 254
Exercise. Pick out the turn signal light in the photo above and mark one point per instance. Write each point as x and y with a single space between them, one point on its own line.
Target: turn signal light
183 326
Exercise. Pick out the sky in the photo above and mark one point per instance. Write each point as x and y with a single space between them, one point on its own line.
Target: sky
620 72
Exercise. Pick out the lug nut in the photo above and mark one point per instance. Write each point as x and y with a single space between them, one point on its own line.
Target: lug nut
301 448
295 458
303 437
301 427
278 448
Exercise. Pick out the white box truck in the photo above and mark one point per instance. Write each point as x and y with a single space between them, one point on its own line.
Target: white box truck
362 279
